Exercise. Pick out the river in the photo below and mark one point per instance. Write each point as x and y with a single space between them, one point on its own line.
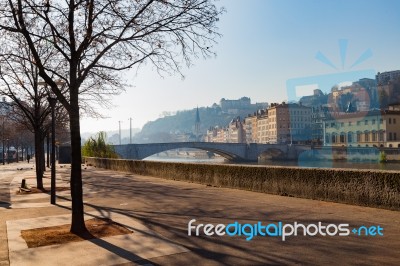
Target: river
308 164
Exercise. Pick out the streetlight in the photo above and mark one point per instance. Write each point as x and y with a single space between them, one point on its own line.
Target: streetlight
3 151
119 122
3 142
290 133
52 102
48 149
130 130
8 152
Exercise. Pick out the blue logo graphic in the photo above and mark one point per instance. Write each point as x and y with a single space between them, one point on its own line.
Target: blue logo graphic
332 102
280 229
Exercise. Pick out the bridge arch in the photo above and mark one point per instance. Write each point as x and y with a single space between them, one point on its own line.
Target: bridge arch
272 153
230 151
230 157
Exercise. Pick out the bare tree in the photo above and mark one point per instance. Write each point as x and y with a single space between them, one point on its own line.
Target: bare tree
19 80
94 40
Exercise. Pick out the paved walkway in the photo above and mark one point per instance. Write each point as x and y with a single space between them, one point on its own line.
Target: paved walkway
159 210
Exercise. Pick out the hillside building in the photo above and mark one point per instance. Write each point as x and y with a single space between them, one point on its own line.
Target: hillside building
383 78
231 106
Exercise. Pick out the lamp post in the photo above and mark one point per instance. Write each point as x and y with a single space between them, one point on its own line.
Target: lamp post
3 151
48 149
119 122
3 142
8 152
130 130
52 102
290 133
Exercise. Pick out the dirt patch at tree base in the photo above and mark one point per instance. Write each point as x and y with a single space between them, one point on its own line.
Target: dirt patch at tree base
33 190
54 235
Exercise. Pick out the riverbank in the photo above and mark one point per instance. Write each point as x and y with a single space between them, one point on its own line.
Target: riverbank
372 188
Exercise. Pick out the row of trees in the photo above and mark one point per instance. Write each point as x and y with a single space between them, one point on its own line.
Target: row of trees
29 108
85 44
14 136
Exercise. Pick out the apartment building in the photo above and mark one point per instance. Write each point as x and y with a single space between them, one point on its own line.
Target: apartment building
236 133
262 126
233 133
318 115
376 128
288 123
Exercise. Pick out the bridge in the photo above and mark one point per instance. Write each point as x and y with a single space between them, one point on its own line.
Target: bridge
231 151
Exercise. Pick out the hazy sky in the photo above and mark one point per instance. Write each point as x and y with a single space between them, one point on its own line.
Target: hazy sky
265 43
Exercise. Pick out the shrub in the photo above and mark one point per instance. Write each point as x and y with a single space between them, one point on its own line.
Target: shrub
382 157
97 147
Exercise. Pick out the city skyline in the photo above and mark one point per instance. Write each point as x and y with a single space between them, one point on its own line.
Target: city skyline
264 44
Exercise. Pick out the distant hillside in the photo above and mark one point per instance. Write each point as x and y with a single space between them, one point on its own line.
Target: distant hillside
162 129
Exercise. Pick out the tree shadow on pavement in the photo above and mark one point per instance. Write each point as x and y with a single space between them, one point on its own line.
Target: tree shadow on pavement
166 207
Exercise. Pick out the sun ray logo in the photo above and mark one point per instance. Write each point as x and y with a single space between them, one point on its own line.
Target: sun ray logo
343 44
330 96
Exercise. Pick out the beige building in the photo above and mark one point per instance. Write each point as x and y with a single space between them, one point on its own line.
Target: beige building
249 128
262 126
252 124
288 123
216 134
236 133
378 128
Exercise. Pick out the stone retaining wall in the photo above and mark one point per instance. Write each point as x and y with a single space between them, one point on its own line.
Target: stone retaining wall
371 188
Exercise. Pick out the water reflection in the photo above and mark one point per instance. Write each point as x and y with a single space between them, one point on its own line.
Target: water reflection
337 164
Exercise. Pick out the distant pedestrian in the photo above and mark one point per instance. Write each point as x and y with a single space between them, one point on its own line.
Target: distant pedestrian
28 157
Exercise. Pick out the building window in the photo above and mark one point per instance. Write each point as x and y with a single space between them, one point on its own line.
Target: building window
373 136
349 123
366 135
333 139
366 122
390 121
394 136
394 120
358 123
373 121
342 124
342 138
381 121
380 136
358 137
390 136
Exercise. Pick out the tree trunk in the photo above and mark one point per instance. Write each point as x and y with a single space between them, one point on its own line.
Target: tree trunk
39 155
78 223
